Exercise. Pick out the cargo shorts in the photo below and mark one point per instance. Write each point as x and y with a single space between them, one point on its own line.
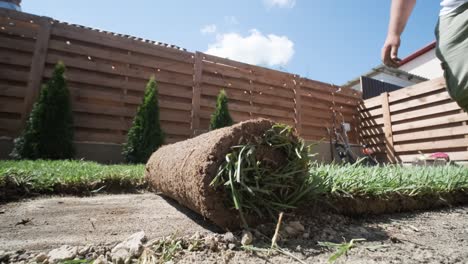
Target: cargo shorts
452 50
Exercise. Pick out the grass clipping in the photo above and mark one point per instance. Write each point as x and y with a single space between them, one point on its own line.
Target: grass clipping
268 175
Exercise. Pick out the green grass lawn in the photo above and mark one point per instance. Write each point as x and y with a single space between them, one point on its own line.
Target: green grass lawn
355 180
69 177
83 177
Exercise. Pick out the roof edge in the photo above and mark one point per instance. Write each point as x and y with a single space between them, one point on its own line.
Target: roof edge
418 53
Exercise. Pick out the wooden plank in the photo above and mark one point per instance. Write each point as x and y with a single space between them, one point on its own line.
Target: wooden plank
165 114
85 64
178 129
237 116
122 98
21 16
96 122
93 136
264 74
373 122
114 56
10 74
258 88
8 124
246 86
330 98
196 92
372 113
264 110
313 113
11 90
432 145
15 58
454 156
92 78
239 95
103 110
455 118
435 133
10 43
37 67
269 77
420 101
330 88
388 128
104 39
451 106
23 32
325 106
417 90
372 102
9 106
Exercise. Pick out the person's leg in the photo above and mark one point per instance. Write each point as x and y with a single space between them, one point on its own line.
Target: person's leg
452 50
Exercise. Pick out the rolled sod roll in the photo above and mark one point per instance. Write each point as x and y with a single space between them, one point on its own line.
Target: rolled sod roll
184 171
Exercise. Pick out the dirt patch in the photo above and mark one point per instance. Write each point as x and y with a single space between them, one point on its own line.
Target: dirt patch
422 237
51 222
183 171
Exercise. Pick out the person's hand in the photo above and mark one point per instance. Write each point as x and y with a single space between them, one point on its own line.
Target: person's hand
390 51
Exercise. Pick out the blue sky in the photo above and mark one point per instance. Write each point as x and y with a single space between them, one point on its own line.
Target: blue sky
330 41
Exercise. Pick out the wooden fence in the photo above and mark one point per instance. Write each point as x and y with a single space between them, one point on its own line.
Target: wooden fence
419 119
107 74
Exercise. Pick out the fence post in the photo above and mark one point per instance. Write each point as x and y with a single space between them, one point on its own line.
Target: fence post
388 128
37 66
197 76
297 104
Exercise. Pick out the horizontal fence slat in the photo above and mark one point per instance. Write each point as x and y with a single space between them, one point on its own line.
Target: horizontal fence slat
113 56
425 112
12 90
436 133
417 90
118 42
455 118
432 145
23 45
184 80
420 102
15 58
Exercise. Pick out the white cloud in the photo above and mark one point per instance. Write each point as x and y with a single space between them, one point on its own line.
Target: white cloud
256 48
208 29
280 3
231 20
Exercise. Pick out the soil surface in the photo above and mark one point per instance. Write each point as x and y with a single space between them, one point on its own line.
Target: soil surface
47 223
422 237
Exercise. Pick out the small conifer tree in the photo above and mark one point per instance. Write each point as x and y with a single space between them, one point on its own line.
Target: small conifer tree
48 133
145 136
221 117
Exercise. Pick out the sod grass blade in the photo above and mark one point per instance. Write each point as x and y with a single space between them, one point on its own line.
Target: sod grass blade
261 185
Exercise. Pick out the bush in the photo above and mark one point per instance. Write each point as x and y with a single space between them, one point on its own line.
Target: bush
48 133
145 135
221 117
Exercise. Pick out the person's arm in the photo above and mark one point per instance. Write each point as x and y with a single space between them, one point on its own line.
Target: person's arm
399 14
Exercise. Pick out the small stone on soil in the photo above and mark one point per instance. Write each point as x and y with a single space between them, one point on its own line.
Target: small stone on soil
41 257
247 238
229 238
100 260
62 253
